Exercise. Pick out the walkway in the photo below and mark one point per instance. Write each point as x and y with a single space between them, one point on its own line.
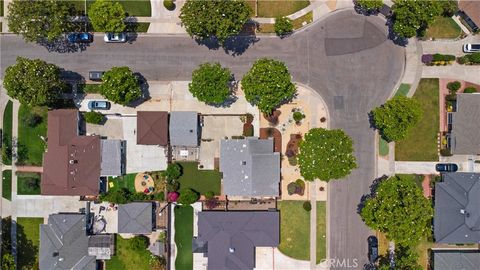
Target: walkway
415 167
455 71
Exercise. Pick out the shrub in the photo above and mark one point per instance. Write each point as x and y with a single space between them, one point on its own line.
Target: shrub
307 206
212 203
174 171
293 161
449 7
451 97
169 5
443 57
470 89
248 130
172 185
209 195
445 152
323 119
139 242
427 58
300 183
188 196
249 118
94 117
292 188
474 57
273 117
283 26
454 86
298 116
172 196
462 60
290 153
32 119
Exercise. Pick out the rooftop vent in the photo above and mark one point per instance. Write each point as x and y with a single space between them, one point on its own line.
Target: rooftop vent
462 211
231 250
55 254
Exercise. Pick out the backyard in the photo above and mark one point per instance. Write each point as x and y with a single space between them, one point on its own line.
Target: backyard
7 133
294 230
443 28
201 181
28 183
126 181
127 257
321 231
28 242
7 184
32 129
421 142
272 9
183 237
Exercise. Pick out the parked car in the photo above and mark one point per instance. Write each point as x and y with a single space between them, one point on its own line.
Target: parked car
372 249
95 75
446 167
115 37
82 37
98 105
471 47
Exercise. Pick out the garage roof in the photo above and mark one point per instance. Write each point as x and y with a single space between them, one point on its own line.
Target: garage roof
152 128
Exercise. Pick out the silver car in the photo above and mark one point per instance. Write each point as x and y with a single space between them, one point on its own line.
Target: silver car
115 37
470 47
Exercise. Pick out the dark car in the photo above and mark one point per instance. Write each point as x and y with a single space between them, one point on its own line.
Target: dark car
98 105
372 249
446 167
80 37
95 75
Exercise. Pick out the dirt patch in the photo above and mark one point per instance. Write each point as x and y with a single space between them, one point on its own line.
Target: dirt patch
266 133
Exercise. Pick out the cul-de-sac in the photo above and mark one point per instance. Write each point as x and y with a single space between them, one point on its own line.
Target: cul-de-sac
240 134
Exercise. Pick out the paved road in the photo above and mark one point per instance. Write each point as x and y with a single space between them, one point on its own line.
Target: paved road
346 58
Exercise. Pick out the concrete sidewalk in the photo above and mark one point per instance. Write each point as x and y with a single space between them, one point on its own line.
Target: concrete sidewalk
415 167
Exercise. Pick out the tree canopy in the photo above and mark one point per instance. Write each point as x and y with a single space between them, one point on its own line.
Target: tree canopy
399 209
173 171
220 19
326 154
107 16
411 16
33 82
369 4
42 19
188 196
211 83
396 117
120 85
268 84
283 26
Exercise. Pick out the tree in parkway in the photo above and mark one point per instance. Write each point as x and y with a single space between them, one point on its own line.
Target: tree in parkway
220 18
369 4
211 83
326 154
107 16
120 85
412 16
33 82
39 19
396 117
399 209
268 84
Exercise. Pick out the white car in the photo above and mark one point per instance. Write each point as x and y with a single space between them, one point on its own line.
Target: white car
115 37
470 48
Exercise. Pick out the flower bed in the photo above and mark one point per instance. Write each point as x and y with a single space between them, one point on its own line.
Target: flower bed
438 59
470 59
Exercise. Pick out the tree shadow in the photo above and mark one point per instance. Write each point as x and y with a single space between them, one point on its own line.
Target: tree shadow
62 45
233 46
144 87
26 250
6 235
373 190
394 37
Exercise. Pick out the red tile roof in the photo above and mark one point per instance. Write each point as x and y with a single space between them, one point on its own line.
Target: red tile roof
472 8
152 128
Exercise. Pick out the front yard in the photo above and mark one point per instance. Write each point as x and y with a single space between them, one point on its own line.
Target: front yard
294 230
7 184
201 181
7 134
272 9
127 257
28 183
421 142
443 28
32 127
28 242
183 237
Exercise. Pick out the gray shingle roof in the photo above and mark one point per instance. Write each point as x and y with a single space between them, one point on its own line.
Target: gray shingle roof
135 218
465 125
111 158
457 215
64 243
231 237
184 129
456 259
249 167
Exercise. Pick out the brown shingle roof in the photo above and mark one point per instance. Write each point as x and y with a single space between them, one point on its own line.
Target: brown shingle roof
472 8
152 128
71 165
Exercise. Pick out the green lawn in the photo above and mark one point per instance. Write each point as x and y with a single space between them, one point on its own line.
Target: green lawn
271 9
294 230
127 258
7 131
321 231
126 181
28 183
383 147
90 88
7 184
30 137
201 181
1 8
297 23
183 237
417 178
403 90
140 8
28 242
421 142
443 27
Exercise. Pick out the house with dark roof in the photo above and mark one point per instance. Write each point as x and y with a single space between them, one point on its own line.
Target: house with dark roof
463 125
456 259
152 128
250 167
136 218
457 212
229 239
184 129
470 12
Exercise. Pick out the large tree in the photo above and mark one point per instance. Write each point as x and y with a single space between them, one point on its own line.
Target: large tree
211 83
399 209
33 82
120 85
396 117
219 18
107 16
268 84
411 16
369 4
39 19
326 154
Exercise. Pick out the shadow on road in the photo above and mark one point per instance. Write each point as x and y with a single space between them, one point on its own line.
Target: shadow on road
234 45
63 46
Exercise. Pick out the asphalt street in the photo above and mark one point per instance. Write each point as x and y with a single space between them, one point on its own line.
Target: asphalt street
345 57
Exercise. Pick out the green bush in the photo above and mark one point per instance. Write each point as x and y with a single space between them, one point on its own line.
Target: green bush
247 130
474 58
94 117
292 188
172 185
470 89
283 26
32 119
293 161
307 206
454 86
139 243
169 5
188 196
174 171
298 116
209 194
443 57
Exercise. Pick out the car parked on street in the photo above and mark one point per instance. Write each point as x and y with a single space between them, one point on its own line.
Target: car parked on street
372 249
98 105
115 37
471 47
95 75
446 167
82 37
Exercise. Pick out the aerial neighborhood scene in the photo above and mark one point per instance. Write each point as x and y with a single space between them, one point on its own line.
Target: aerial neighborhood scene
240 134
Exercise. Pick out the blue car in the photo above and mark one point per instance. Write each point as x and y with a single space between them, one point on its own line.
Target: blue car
98 105
80 37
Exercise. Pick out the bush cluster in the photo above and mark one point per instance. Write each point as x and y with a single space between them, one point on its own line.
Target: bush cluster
470 59
169 5
438 59
122 196
307 206
297 187
298 116
470 89
94 117
283 26
188 196
454 86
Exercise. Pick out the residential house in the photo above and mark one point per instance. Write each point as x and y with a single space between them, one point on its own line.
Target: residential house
470 12
152 128
229 239
184 134
136 218
250 167
463 126
456 259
